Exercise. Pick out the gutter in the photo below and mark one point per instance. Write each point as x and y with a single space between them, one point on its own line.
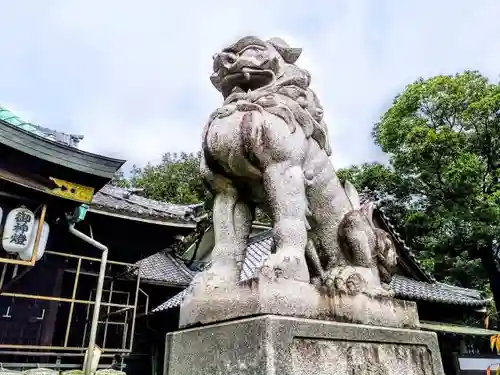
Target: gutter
98 294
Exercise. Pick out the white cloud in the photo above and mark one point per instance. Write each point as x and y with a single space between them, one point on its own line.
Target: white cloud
133 76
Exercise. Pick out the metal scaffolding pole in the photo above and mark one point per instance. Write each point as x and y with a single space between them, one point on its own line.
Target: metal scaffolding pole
98 294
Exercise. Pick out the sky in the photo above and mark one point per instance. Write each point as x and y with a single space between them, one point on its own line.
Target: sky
133 76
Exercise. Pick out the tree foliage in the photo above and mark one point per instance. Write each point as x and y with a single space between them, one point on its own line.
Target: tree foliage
120 180
176 179
443 138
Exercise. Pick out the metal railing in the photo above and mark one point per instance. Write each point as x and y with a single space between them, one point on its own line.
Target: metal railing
128 309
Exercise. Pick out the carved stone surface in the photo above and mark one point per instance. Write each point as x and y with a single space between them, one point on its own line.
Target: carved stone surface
271 345
293 298
268 147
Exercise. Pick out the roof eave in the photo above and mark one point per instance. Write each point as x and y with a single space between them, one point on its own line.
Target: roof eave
148 220
58 153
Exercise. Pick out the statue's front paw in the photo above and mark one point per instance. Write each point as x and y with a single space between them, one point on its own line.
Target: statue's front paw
355 284
317 282
286 265
332 283
344 280
218 274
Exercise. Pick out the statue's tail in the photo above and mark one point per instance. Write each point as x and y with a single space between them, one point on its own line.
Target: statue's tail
352 195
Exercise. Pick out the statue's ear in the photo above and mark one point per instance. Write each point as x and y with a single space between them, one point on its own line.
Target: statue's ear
289 54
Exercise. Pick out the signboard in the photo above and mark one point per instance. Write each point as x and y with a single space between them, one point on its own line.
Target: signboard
472 365
70 190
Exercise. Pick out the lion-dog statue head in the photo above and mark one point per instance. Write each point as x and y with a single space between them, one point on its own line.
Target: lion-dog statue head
253 65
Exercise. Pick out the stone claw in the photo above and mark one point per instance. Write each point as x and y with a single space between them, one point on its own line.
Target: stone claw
285 266
344 280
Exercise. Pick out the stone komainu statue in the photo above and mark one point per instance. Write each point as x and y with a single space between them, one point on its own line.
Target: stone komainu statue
267 146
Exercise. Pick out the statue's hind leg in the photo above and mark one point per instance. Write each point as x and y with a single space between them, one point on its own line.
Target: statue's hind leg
285 191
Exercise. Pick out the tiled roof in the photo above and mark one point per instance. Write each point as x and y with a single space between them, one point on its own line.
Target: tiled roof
67 139
164 267
473 293
435 292
260 246
121 201
172 302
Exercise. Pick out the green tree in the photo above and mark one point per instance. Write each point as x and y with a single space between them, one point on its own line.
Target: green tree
120 180
176 179
443 136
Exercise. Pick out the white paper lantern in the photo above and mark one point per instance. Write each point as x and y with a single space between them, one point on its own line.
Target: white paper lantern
18 230
42 244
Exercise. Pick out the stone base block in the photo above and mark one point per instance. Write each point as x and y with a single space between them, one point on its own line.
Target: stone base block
276 345
207 304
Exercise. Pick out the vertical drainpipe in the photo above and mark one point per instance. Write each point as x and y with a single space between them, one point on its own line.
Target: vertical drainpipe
98 294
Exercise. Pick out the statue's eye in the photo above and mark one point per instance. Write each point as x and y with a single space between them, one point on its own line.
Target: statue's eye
249 52
253 51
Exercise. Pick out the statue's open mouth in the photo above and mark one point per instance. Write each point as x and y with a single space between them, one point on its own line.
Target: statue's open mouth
248 79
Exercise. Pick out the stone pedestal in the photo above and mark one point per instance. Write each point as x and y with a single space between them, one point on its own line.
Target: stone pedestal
207 304
277 345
